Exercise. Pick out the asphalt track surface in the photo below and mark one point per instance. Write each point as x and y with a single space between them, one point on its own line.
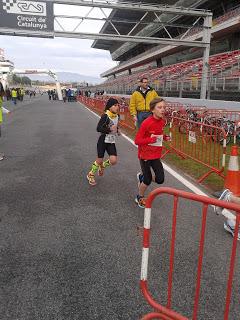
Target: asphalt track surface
70 251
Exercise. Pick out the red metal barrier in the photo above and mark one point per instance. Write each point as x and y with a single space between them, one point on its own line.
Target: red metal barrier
155 315
166 311
98 105
226 115
199 142
193 140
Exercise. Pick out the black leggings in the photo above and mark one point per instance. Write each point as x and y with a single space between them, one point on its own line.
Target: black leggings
157 167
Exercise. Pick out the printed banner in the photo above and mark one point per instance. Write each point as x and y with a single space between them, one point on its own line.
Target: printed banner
29 16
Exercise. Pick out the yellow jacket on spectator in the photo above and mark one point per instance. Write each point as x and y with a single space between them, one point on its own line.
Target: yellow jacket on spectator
140 101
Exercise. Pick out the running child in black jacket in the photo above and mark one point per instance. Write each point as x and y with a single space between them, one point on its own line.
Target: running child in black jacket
108 128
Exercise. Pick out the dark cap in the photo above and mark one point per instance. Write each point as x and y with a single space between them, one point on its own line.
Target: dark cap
111 102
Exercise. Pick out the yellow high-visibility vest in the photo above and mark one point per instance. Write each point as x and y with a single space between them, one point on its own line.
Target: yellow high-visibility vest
14 94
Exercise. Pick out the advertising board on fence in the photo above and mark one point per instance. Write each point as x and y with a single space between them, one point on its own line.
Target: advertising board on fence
192 137
23 17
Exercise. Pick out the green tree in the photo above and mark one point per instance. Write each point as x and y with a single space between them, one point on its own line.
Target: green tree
16 79
26 80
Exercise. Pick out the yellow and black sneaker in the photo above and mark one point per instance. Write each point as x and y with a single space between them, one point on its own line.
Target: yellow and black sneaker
91 179
100 171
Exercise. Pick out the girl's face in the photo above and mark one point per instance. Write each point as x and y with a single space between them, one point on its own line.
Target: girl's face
159 109
114 108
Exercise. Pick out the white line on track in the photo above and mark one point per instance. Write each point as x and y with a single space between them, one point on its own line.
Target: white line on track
226 213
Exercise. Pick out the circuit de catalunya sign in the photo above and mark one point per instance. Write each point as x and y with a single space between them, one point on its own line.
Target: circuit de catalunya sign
29 16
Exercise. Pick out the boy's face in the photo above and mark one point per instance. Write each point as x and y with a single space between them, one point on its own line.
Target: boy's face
114 108
159 109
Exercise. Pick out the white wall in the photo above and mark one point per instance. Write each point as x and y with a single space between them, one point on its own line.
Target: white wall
212 104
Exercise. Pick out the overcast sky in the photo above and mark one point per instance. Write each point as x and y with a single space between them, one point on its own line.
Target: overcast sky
61 54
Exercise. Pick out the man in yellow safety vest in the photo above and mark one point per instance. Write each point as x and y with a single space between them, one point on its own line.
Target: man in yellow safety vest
14 96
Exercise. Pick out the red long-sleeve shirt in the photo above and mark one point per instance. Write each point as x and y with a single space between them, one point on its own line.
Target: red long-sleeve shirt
143 138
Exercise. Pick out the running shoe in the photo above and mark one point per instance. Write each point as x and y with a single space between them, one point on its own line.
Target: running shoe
91 179
1 156
140 178
229 226
140 201
100 171
225 197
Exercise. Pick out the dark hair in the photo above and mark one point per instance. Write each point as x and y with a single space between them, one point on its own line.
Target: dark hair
141 80
155 101
111 102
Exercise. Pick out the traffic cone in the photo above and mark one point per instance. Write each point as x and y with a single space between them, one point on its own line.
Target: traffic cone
232 180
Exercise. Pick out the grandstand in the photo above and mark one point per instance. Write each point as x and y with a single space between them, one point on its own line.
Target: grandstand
177 70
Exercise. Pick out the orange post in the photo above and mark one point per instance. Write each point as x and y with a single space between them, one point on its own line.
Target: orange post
232 180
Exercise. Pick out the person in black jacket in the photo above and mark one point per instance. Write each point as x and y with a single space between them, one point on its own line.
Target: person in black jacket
108 128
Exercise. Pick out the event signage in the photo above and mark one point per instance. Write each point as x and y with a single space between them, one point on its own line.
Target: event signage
23 17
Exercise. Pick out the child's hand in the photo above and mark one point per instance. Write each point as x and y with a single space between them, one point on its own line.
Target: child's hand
154 138
114 128
167 138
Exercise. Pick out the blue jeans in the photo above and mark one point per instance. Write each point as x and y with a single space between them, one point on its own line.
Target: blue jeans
141 116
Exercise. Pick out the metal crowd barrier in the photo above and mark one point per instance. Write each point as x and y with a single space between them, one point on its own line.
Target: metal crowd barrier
199 142
203 143
166 312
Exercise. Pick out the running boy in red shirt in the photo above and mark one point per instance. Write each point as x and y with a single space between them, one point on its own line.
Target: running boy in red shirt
149 140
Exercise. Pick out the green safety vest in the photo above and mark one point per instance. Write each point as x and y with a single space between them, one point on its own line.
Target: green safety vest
1 109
